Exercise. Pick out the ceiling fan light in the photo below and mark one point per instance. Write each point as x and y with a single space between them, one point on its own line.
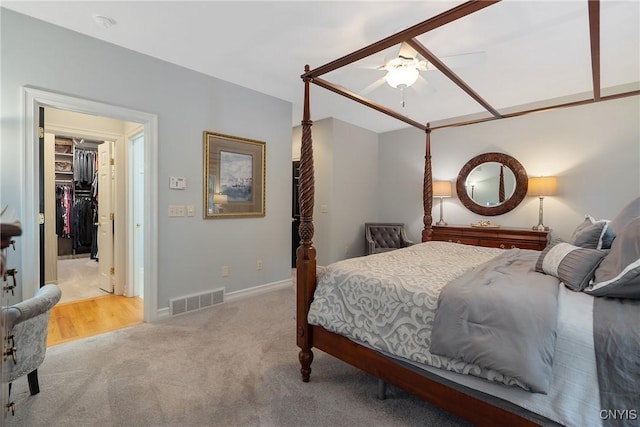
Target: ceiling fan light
402 76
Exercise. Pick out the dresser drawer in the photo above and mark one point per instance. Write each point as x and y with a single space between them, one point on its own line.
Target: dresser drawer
465 241
491 237
505 244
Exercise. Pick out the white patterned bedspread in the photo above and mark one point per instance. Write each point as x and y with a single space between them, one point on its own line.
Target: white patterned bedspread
388 301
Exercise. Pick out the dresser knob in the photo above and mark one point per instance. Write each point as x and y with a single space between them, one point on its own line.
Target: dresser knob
501 245
458 241
513 247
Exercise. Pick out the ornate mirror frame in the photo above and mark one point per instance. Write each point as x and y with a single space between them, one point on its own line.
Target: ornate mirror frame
515 199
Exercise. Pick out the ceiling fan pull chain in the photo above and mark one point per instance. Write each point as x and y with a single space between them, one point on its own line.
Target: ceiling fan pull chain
402 95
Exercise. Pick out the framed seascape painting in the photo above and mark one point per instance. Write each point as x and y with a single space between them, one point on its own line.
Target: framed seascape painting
234 176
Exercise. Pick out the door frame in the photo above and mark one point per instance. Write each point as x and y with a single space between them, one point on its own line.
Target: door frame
34 98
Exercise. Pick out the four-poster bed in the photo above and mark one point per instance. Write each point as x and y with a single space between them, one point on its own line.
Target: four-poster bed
476 407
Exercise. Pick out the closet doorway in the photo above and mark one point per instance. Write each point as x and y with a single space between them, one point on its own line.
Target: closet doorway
86 246
80 194
32 154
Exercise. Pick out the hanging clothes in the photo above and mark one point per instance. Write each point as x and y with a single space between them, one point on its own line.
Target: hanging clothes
64 201
84 166
82 223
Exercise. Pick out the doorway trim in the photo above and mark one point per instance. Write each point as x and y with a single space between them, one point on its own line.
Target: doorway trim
34 99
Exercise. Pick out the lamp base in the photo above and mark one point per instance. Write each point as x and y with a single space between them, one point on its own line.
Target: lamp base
441 222
540 227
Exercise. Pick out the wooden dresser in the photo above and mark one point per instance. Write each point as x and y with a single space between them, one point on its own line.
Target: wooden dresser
494 237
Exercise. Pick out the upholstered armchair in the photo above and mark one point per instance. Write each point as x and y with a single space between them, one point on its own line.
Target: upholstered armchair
26 326
384 236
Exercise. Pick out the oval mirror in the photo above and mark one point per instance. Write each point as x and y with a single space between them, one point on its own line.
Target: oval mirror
492 184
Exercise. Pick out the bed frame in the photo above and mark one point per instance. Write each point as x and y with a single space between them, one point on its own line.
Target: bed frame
451 399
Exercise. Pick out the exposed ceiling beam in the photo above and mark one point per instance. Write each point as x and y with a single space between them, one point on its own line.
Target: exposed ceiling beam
540 109
411 32
442 67
364 101
594 31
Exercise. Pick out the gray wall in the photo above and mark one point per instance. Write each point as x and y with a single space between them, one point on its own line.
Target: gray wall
191 250
346 182
594 150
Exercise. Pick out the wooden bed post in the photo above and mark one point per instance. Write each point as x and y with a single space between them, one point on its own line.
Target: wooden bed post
427 189
306 253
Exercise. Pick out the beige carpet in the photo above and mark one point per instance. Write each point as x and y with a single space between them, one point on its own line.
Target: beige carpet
235 364
78 279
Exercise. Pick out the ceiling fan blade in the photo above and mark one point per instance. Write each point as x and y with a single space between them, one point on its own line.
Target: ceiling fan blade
422 86
373 86
460 60
407 51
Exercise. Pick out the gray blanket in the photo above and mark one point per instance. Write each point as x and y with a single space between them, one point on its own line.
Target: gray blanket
616 336
501 316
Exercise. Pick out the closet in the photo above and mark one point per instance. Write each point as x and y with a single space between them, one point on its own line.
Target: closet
76 196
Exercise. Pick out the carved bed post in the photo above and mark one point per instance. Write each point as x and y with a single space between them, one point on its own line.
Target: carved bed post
306 253
427 189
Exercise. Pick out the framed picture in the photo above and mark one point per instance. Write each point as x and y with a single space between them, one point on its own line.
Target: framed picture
234 176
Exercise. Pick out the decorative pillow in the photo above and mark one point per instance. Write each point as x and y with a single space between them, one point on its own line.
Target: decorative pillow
593 234
626 215
619 273
574 266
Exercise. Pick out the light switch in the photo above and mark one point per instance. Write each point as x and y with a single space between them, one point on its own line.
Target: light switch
176 210
191 210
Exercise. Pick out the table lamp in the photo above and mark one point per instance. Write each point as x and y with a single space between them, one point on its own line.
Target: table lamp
541 187
441 189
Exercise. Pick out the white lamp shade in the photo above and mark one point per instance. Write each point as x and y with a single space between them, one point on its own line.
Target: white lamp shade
442 189
402 75
542 186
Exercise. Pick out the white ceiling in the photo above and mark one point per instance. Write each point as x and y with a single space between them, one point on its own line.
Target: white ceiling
511 53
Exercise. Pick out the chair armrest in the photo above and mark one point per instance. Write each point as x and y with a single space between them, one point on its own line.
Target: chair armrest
405 240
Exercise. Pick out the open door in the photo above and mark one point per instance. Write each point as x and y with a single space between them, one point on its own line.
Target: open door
50 236
105 215
136 223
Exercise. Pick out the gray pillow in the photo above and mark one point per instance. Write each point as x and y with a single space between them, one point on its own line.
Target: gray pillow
626 215
593 234
572 265
619 273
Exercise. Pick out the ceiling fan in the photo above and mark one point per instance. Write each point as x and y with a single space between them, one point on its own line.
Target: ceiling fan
403 70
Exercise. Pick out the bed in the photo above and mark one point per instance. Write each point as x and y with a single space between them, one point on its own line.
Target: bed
575 297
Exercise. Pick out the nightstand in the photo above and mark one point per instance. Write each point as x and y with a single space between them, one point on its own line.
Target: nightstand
493 237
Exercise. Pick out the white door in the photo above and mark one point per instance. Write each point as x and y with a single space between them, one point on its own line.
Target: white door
105 215
50 236
136 201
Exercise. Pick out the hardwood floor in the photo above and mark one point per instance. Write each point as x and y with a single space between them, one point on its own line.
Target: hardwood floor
78 319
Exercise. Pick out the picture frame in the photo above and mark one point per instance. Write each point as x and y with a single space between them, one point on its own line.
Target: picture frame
234 176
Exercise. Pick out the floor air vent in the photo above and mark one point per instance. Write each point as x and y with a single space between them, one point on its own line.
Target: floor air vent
196 302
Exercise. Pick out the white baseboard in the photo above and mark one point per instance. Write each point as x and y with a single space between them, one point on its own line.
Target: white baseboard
258 290
165 313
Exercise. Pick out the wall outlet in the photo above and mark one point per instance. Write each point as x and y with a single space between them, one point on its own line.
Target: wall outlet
225 271
259 264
